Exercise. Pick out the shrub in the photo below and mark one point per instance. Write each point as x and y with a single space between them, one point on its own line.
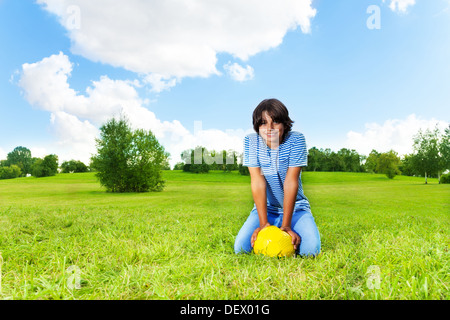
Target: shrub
73 166
388 163
10 172
45 167
128 161
445 178
195 161
178 166
243 170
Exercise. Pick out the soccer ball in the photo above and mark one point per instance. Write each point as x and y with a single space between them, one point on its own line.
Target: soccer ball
274 242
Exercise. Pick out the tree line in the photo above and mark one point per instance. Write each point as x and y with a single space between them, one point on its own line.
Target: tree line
202 160
132 160
430 158
20 163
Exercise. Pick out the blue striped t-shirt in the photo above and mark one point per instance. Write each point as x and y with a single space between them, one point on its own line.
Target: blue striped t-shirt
274 163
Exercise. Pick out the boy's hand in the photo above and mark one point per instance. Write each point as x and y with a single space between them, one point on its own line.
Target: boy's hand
295 237
255 233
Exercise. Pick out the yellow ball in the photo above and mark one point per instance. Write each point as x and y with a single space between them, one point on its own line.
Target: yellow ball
274 242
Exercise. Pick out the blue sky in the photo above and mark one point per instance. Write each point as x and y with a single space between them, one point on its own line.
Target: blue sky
66 67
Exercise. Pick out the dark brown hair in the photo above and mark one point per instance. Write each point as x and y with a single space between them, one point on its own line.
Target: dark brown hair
276 110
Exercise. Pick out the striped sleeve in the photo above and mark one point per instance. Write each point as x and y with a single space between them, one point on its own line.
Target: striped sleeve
250 152
299 153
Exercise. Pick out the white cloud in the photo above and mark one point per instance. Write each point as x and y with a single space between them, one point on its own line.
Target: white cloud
75 117
180 38
76 138
239 73
47 86
3 154
159 83
41 152
396 134
400 5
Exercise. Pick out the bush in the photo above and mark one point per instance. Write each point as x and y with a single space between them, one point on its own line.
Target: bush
45 167
73 166
178 166
128 161
195 161
10 172
243 170
445 178
388 163
196 168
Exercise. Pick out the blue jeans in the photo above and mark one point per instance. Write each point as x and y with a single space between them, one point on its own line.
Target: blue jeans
302 223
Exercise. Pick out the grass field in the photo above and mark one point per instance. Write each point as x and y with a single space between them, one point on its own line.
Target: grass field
63 237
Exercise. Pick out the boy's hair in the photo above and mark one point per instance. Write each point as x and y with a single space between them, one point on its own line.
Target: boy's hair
276 110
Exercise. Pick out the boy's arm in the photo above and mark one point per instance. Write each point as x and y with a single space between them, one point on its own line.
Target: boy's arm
259 192
290 194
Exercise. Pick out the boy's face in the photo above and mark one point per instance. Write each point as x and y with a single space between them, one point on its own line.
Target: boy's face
271 131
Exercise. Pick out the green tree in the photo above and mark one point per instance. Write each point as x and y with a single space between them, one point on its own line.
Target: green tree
336 162
73 166
214 159
350 160
444 150
327 163
243 170
388 163
194 160
315 159
45 167
165 165
178 166
407 166
427 157
230 160
372 161
128 161
20 157
10 172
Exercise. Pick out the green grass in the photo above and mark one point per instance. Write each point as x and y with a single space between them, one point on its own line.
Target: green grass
178 244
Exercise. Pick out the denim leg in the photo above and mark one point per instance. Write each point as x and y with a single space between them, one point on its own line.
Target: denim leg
304 225
243 239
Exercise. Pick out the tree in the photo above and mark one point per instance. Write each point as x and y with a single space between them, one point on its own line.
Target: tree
243 170
372 161
427 158
127 160
10 172
388 163
328 160
230 160
335 162
20 157
444 150
315 158
73 166
350 159
45 167
407 166
178 166
165 165
194 160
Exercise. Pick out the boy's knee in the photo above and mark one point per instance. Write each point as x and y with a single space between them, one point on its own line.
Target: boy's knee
239 247
310 248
